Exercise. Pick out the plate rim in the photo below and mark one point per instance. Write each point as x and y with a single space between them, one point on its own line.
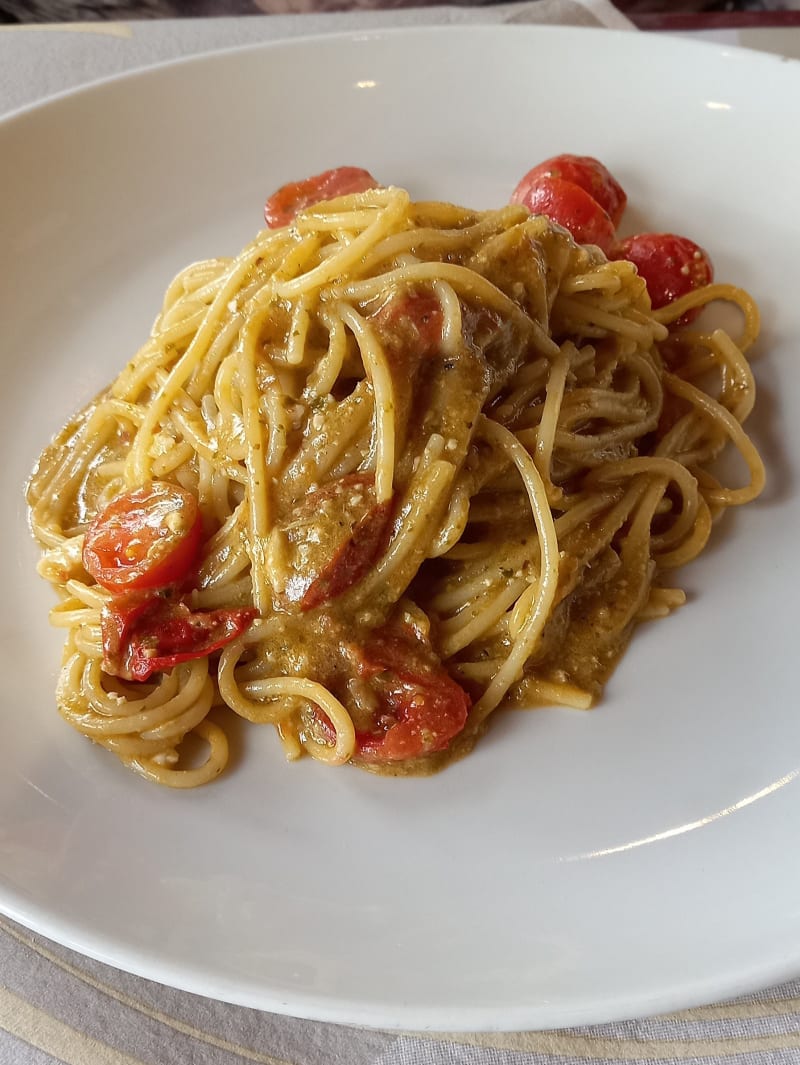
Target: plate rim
371 34
408 1018
340 1010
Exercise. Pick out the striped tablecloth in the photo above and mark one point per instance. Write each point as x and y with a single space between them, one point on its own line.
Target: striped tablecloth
57 1006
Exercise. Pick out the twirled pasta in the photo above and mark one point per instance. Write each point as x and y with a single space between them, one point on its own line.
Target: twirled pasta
540 442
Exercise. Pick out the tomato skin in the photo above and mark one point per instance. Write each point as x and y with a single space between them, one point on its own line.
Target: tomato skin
584 171
284 204
573 208
332 538
146 636
671 266
413 324
353 559
422 708
144 539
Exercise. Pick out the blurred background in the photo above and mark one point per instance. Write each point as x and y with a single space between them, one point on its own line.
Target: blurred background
645 12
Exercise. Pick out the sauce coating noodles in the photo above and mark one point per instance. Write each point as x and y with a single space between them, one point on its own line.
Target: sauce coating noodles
438 451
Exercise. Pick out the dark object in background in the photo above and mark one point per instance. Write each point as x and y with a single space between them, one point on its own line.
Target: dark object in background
768 9
646 7
721 14
27 11
83 10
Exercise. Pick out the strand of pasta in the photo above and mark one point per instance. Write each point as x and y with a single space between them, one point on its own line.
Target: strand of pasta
257 490
582 312
145 732
377 371
325 373
214 764
275 691
718 415
345 258
418 515
545 437
700 297
547 581
738 388
463 280
430 243
137 470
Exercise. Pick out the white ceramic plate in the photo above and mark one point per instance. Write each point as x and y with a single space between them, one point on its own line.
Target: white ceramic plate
578 867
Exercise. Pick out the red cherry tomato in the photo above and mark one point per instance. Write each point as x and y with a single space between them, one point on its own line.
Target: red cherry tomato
144 539
412 325
670 265
571 207
146 636
283 205
353 559
420 707
587 173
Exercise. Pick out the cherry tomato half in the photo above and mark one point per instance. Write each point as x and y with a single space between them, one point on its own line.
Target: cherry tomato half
283 205
421 708
353 559
144 539
670 265
571 207
413 325
584 171
142 637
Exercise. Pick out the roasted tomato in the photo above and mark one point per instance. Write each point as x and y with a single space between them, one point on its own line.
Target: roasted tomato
146 636
330 539
353 559
571 207
587 173
145 539
413 324
420 709
671 266
283 205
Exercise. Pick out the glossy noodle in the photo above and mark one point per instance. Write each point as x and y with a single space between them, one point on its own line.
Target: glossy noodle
438 451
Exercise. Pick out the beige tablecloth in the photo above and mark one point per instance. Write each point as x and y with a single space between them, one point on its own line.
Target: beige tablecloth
57 1006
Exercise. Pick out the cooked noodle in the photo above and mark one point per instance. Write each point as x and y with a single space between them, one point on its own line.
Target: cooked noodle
547 462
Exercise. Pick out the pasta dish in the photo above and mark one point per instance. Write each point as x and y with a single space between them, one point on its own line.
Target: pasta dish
394 466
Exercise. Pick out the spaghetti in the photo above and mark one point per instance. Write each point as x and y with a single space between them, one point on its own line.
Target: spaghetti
444 459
